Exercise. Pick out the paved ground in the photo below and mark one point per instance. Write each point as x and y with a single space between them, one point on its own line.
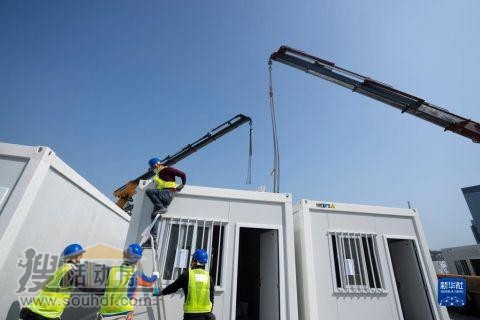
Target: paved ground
458 316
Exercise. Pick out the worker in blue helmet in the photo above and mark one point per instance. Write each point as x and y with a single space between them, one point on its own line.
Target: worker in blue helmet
122 283
165 189
53 298
198 287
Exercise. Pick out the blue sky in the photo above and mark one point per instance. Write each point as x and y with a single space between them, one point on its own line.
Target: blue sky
109 84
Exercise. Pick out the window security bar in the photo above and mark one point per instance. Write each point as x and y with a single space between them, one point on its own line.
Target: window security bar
462 267
356 261
178 239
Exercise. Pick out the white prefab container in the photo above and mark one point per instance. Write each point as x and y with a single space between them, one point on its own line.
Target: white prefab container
45 205
463 260
249 238
363 262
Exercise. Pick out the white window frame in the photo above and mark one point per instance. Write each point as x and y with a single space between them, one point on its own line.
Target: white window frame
164 231
345 286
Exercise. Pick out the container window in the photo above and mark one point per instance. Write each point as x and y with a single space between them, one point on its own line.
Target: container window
177 254
353 263
180 237
355 260
371 262
217 254
462 267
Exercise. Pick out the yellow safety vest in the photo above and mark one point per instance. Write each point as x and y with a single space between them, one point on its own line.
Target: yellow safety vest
52 298
198 297
115 300
162 184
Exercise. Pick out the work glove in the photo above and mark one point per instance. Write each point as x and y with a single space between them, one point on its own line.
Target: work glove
157 292
156 273
180 187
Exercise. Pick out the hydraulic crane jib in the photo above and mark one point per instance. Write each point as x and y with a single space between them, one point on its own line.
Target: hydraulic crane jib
125 193
379 91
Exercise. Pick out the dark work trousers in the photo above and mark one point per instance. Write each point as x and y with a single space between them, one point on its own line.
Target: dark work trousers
26 314
161 199
198 316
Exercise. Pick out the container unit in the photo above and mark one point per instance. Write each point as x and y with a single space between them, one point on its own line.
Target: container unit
249 238
45 205
363 262
463 260
439 262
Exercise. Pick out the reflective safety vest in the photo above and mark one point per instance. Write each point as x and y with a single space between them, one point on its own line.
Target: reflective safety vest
52 298
162 184
115 300
198 297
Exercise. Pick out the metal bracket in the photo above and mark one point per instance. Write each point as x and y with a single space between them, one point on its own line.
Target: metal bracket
454 127
416 105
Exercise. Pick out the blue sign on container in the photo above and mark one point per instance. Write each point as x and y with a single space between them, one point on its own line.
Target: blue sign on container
452 292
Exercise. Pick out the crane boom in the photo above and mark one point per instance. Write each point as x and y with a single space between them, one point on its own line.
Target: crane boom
379 91
125 193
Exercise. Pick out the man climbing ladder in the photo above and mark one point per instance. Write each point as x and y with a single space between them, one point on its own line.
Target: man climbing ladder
165 190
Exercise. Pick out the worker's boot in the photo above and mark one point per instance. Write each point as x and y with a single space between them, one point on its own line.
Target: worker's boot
147 244
158 211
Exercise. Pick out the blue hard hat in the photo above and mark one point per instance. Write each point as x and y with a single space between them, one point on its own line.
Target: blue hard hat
133 253
200 256
152 162
72 250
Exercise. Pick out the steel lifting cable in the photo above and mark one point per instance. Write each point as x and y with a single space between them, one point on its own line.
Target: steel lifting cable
276 158
250 154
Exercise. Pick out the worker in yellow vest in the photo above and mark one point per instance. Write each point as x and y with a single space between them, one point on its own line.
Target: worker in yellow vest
164 192
53 298
122 282
197 284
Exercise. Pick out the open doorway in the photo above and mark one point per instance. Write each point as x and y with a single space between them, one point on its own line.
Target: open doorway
410 283
476 266
257 278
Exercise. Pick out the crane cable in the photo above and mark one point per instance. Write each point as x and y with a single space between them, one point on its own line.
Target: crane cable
276 157
250 154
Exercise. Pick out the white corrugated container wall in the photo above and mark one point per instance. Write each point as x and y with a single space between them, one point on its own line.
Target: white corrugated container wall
459 259
239 212
45 205
348 262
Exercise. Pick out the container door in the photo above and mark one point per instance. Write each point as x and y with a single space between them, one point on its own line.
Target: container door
257 277
269 286
410 283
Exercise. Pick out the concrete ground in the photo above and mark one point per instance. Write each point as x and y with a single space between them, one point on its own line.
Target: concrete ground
459 316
